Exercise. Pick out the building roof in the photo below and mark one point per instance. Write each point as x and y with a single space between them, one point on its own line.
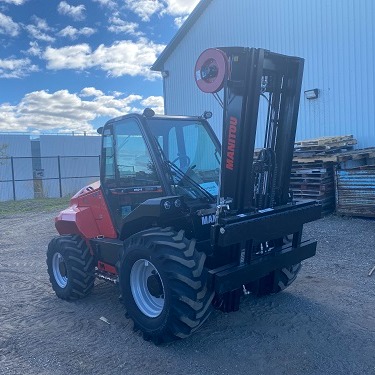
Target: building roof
187 25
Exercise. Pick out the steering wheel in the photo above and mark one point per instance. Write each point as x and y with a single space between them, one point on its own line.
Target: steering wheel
184 160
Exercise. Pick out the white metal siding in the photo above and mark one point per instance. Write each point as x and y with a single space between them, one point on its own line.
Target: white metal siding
19 147
73 163
336 38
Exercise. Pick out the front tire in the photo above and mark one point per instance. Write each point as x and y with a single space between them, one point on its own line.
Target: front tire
70 267
276 281
164 284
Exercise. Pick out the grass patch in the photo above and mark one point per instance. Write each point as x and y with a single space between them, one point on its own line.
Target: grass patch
33 205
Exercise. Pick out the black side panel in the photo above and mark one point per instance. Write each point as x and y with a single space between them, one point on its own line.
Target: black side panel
106 250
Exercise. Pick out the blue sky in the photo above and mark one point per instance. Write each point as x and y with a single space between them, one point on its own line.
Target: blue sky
71 65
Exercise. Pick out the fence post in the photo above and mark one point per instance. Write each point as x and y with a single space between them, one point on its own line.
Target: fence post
59 168
13 181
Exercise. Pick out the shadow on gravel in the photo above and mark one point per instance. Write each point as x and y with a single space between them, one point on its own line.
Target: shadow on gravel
285 331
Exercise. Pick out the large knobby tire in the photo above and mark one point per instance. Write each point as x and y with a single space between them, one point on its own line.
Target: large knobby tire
275 282
164 284
70 266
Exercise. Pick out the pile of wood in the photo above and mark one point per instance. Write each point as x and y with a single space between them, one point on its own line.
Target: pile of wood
313 167
355 183
324 147
314 180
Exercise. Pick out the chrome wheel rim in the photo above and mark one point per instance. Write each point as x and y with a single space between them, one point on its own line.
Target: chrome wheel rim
59 270
147 288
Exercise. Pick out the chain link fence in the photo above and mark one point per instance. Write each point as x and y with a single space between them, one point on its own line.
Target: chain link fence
46 177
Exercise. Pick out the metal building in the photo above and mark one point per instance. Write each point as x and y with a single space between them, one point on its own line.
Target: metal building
74 159
46 166
336 38
16 172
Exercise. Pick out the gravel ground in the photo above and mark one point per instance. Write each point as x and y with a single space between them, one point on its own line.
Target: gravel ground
323 324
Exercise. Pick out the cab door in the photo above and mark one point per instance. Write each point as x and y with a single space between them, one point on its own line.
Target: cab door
129 174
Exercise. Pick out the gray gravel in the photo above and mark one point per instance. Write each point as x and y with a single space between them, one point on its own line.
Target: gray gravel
323 324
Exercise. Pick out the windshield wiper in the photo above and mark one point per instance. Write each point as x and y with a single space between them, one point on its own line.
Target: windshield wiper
183 175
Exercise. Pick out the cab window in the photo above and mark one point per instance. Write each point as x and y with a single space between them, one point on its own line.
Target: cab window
133 164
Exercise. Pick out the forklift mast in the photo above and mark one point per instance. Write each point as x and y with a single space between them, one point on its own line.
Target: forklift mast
248 75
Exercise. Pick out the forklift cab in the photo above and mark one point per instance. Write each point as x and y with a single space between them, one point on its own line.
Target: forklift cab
145 157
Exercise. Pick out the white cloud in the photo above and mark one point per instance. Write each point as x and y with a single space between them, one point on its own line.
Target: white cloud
34 49
74 33
8 26
122 58
15 2
63 111
16 68
180 20
39 30
116 93
71 57
120 26
180 7
144 8
91 91
107 3
154 102
76 12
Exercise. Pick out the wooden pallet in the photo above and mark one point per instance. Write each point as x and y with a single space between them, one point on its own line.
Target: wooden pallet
364 167
308 165
313 178
302 153
315 159
321 141
316 175
308 181
327 147
323 201
366 153
321 150
311 194
305 188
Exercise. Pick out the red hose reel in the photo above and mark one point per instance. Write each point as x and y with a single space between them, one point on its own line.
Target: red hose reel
211 70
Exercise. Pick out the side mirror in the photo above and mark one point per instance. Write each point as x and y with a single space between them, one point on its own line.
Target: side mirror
100 130
148 112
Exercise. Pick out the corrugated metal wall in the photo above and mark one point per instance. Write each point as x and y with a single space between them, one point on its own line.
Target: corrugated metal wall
18 146
75 161
336 37
79 165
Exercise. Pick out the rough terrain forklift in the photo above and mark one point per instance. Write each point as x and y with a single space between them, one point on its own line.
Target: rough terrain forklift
181 223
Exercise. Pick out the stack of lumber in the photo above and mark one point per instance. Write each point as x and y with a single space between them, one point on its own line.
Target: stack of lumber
313 167
314 180
355 183
323 148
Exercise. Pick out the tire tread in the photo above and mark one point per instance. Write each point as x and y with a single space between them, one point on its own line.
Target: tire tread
183 265
80 263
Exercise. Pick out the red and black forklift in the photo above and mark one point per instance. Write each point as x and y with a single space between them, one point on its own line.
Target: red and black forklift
183 224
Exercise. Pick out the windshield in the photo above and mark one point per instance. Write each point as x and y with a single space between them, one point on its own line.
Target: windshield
189 146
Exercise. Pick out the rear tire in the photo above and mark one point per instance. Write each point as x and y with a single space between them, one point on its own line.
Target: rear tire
70 267
275 282
164 284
